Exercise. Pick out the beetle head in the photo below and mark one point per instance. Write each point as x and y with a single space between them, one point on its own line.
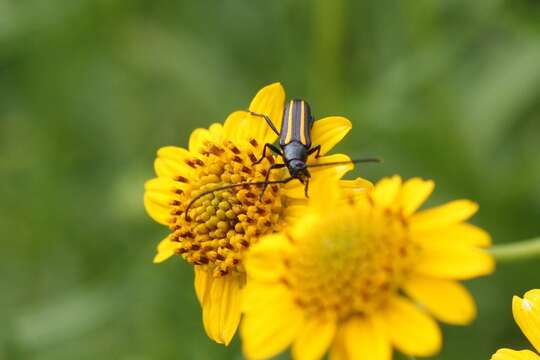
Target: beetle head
299 170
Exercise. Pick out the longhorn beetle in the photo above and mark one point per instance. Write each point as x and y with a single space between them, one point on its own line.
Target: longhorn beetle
295 148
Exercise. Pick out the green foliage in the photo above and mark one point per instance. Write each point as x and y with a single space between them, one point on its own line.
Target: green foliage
447 90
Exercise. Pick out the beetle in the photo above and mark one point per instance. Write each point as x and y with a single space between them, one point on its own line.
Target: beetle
295 147
294 141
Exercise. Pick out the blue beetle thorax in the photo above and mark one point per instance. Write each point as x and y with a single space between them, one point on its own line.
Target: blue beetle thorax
295 151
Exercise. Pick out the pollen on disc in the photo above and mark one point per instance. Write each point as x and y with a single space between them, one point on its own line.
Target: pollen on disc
222 225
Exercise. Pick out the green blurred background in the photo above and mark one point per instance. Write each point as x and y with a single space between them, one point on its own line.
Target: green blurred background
89 89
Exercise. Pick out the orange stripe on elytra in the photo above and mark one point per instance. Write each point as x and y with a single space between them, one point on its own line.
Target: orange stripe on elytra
290 124
302 124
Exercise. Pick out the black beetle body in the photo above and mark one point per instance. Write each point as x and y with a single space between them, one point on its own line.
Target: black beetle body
294 141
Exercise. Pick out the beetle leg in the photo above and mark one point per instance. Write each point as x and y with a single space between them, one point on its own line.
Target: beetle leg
267 179
266 147
306 188
268 121
317 150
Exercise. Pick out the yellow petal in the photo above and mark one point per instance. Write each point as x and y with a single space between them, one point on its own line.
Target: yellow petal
329 131
269 101
414 193
157 207
221 308
441 216
264 262
171 162
295 189
216 130
165 249
367 338
157 196
358 185
237 128
199 137
314 339
386 190
412 331
453 260
321 200
271 320
527 315
295 209
165 186
458 233
257 295
447 300
203 282
507 354
339 169
338 351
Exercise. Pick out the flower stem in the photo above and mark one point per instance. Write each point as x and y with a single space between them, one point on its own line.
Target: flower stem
328 46
521 250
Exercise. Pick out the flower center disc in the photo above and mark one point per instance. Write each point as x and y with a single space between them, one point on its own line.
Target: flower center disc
350 264
220 226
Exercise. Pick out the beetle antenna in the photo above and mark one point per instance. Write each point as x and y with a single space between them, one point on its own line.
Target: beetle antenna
356 161
232 186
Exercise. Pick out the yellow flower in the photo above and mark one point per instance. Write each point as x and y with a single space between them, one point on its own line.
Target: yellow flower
222 226
527 315
362 274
